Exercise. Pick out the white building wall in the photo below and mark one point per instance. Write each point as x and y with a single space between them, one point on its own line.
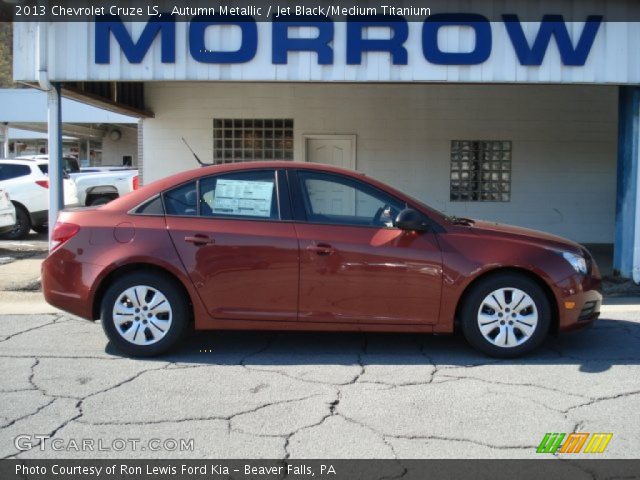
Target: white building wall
564 139
113 151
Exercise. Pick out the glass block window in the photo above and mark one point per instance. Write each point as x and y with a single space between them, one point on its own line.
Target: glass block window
246 140
480 171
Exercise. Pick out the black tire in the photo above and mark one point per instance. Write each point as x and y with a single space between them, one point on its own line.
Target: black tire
176 298
40 228
22 227
102 200
470 309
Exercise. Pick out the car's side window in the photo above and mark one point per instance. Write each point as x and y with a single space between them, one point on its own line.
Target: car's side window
340 200
9 171
182 200
250 195
151 207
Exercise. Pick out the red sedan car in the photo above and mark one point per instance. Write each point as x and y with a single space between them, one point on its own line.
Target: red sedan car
299 246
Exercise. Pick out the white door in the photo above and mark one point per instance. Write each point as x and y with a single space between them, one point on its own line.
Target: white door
338 151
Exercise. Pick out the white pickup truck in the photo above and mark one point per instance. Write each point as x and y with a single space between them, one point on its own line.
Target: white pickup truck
98 185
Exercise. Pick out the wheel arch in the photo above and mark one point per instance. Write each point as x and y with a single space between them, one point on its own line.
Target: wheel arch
21 207
98 192
17 204
135 267
102 190
553 303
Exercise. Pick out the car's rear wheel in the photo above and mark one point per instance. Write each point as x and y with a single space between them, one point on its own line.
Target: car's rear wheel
40 228
505 315
22 226
144 314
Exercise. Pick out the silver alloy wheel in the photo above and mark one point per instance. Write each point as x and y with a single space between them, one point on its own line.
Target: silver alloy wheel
507 317
142 315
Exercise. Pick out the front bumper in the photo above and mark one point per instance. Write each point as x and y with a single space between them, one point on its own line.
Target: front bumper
579 301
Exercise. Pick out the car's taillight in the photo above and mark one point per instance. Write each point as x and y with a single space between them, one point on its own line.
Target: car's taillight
63 232
43 183
136 182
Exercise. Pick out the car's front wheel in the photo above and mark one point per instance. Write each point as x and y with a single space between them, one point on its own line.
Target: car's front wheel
505 315
144 314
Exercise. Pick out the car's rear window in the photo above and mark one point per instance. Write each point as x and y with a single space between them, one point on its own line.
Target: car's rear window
152 207
44 168
12 170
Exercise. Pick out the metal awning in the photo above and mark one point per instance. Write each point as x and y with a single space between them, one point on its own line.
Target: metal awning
29 106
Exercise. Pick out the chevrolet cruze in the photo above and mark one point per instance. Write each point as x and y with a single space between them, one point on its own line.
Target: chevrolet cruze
299 246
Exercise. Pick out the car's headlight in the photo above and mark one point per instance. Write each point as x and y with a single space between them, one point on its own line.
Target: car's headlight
578 262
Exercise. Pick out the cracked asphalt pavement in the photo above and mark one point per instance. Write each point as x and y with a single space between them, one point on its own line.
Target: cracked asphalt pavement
315 395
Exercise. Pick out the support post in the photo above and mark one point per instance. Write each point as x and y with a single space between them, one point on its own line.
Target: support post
4 129
56 194
626 257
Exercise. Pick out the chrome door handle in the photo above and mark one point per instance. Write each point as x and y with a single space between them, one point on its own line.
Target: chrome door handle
321 249
199 239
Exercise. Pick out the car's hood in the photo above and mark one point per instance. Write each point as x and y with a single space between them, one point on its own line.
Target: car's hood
525 234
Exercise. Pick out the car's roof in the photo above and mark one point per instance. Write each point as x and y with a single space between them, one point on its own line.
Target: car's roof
187 175
213 169
44 158
232 167
22 161
136 197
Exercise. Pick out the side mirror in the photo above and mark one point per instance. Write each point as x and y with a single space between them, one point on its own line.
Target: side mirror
409 219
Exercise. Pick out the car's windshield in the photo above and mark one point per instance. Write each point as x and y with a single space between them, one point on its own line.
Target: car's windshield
71 165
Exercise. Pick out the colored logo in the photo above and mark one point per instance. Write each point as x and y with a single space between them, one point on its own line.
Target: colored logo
556 442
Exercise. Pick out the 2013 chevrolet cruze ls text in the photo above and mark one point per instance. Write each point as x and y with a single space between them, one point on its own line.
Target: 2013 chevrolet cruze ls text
299 246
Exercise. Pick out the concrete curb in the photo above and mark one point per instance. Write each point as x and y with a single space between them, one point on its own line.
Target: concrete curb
24 303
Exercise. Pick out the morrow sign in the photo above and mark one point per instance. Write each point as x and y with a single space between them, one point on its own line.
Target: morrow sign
322 42
449 48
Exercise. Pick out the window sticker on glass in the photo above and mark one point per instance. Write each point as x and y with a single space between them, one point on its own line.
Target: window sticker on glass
243 198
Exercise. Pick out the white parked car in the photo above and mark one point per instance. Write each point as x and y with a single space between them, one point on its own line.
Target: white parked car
7 213
27 183
98 185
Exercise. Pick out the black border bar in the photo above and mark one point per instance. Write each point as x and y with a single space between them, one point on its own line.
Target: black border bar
336 10
565 468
